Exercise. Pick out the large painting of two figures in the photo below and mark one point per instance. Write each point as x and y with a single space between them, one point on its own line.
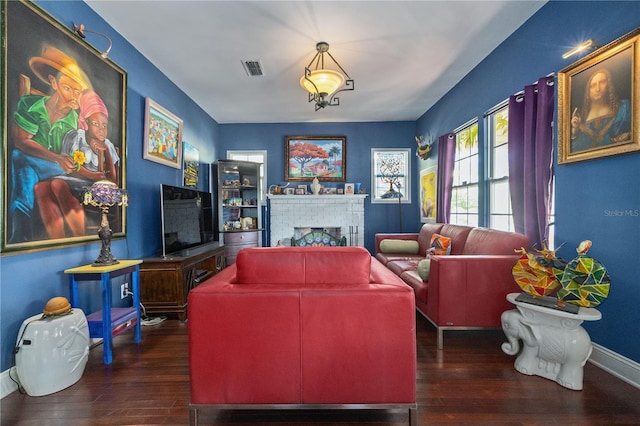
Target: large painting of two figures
63 130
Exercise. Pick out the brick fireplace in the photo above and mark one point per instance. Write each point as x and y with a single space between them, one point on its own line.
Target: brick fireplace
289 212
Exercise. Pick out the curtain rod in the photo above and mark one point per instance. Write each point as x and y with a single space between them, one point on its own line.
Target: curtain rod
520 95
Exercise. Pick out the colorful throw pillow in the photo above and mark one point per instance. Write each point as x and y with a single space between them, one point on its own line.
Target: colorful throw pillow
399 246
441 245
424 266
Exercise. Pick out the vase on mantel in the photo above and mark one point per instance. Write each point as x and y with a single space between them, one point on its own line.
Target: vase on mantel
315 186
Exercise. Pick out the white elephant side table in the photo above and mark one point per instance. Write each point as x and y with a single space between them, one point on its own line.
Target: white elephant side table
555 346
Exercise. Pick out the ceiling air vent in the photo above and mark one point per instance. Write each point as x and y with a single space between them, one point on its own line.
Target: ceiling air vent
253 68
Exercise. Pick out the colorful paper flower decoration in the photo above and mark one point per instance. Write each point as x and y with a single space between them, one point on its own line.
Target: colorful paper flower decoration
424 147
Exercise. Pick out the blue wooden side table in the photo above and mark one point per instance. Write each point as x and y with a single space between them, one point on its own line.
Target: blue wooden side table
114 321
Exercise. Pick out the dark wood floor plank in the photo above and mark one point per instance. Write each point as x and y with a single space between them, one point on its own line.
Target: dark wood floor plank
470 382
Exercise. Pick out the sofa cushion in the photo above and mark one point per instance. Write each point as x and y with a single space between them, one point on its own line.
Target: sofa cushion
385 258
303 265
399 266
399 246
458 235
420 287
424 237
491 241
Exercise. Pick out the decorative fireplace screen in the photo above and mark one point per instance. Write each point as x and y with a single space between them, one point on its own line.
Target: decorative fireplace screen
319 237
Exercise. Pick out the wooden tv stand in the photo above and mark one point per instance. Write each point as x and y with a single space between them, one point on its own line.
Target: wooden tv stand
165 282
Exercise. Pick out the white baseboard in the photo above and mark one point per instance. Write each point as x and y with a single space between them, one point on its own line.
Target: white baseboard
611 362
615 364
7 385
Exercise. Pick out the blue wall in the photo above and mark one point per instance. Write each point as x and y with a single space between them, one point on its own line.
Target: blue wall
588 194
27 281
361 137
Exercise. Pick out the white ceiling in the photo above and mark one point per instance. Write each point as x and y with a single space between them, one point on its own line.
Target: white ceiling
403 55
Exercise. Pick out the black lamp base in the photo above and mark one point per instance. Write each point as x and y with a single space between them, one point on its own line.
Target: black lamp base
105 233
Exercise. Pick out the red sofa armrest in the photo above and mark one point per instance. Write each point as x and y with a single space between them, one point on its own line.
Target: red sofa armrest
470 290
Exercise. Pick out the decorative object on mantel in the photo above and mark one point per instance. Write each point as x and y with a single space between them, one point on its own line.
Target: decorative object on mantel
324 84
585 281
349 189
277 189
424 146
315 186
104 194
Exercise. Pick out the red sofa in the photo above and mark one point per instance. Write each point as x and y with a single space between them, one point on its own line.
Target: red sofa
466 289
302 327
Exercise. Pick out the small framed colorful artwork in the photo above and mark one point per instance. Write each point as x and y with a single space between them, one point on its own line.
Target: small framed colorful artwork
163 135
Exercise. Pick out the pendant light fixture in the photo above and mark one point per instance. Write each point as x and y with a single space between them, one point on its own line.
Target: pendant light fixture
324 84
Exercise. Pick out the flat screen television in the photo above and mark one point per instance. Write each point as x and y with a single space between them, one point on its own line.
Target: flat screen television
187 217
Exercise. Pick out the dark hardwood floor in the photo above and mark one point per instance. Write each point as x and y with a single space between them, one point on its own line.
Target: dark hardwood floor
470 382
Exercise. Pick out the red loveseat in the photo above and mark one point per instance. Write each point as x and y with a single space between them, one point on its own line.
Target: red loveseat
466 289
302 328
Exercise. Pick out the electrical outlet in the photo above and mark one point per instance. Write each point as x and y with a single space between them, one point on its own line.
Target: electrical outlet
124 290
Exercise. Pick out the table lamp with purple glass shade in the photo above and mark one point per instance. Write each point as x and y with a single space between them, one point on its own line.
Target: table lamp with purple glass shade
104 194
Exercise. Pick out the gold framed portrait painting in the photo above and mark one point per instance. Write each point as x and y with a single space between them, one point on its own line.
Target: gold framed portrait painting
598 114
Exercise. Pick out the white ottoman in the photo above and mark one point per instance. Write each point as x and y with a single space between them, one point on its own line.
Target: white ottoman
52 352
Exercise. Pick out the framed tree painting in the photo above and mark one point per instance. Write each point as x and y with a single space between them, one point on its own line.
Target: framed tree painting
390 175
598 113
163 135
322 157
63 129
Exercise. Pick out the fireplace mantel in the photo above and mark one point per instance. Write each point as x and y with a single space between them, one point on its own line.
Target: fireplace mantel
299 198
287 212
